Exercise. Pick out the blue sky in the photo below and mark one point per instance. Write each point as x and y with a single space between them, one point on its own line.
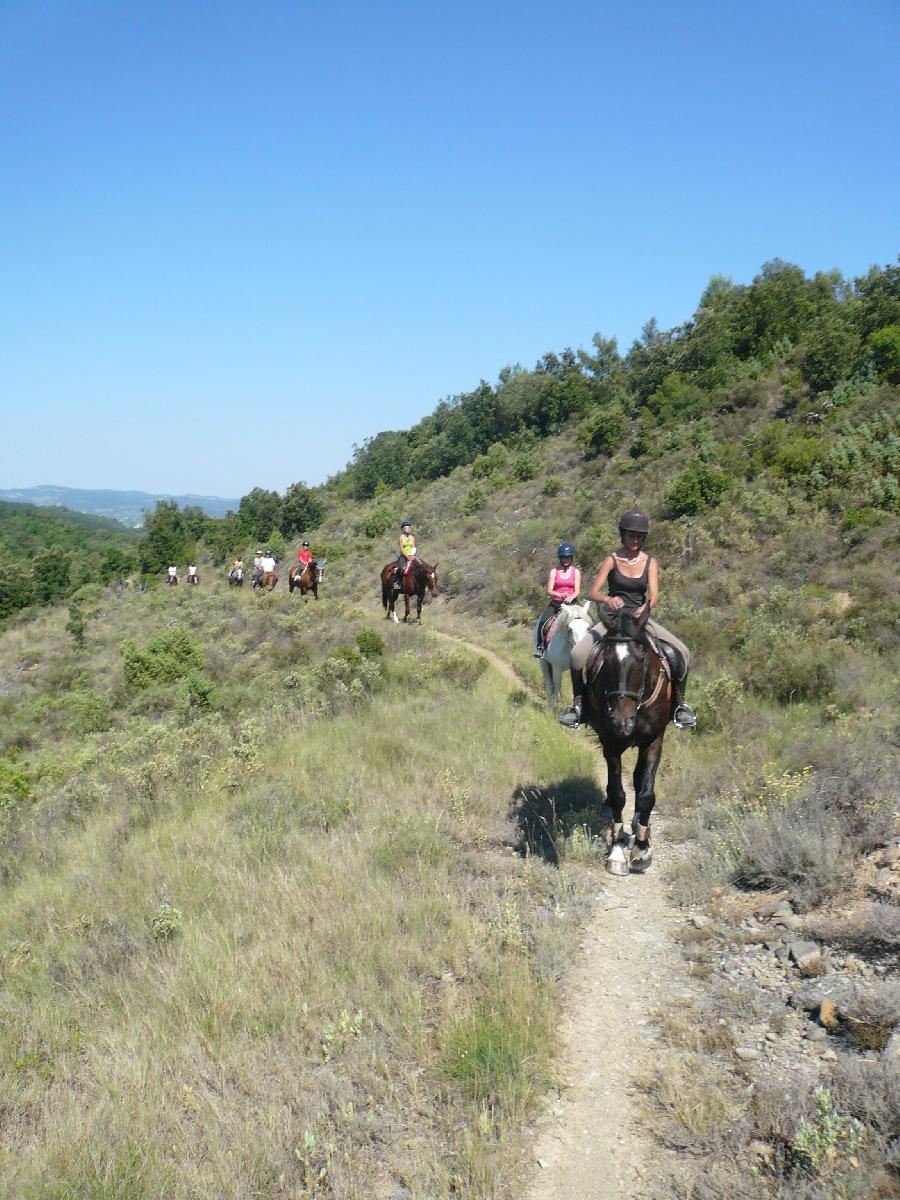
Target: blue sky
237 237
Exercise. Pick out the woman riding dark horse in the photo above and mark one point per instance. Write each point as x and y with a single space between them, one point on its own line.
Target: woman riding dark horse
627 702
413 582
632 579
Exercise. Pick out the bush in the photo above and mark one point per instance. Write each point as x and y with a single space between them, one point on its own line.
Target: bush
884 347
167 657
700 486
15 783
370 643
473 500
378 519
196 692
552 486
524 466
604 430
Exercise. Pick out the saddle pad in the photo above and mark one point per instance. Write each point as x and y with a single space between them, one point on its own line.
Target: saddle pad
550 629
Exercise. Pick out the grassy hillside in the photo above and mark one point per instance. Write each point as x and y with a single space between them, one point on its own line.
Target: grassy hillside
288 891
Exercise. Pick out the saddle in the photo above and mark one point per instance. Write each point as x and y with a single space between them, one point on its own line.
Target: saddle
548 630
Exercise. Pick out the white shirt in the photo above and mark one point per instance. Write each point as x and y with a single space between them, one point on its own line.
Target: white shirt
173 570
192 570
267 564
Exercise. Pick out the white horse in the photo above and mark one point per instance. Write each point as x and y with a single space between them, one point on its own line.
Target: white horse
573 623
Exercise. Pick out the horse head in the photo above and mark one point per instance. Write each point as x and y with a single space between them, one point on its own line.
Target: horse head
429 573
623 673
574 621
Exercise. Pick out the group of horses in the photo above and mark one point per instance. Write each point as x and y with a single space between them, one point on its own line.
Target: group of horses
627 695
192 580
627 701
304 577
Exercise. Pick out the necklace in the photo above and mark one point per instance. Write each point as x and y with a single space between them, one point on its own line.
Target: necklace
632 562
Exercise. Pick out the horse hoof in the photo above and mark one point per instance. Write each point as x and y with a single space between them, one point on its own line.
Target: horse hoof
640 859
616 862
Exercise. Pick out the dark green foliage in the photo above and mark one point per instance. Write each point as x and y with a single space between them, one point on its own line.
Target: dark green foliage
75 626
699 486
604 429
168 656
379 519
259 513
301 510
167 538
884 347
15 783
370 643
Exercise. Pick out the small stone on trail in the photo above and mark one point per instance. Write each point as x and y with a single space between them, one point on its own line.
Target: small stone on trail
815 1033
789 921
699 921
746 1053
828 1014
782 909
806 955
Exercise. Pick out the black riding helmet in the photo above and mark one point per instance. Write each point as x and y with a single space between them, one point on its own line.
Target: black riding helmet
634 521
305 546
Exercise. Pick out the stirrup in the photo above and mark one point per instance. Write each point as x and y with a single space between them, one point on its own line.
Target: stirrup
684 717
571 717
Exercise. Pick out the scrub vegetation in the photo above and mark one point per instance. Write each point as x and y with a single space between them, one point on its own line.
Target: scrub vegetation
287 893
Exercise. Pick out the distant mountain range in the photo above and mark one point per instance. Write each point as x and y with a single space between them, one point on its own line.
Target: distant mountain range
127 507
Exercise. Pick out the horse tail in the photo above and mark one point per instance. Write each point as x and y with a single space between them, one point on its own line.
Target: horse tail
385 593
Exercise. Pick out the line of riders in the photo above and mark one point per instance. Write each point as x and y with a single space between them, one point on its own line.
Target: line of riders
629 576
628 580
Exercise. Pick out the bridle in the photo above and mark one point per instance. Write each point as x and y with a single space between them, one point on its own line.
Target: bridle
640 700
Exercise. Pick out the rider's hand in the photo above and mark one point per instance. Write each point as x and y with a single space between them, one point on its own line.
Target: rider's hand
637 612
614 602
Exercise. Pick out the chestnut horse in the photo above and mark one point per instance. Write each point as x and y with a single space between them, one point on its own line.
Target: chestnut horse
305 577
412 583
264 581
628 701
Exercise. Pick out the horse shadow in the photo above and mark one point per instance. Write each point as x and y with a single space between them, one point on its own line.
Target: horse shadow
547 815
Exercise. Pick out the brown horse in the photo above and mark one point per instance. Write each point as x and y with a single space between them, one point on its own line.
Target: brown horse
264 581
171 580
193 580
305 577
628 701
412 583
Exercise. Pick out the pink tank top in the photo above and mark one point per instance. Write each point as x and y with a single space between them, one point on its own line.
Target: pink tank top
565 581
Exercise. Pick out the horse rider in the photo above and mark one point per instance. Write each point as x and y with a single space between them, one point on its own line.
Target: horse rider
267 562
563 586
304 556
631 577
257 565
192 572
172 575
238 565
407 543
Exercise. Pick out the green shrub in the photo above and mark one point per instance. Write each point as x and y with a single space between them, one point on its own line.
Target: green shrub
166 923
552 486
860 519
196 692
884 347
168 656
603 431
15 783
701 485
378 519
88 712
473 500
370 643
524 466
492 462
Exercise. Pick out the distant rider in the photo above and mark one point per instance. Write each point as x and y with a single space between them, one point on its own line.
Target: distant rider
407 544
257 566
304 555
631 578
563 586
267 562
172 575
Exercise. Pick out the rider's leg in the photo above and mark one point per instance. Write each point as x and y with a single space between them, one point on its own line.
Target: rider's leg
571 717
402 560
683 715
547 615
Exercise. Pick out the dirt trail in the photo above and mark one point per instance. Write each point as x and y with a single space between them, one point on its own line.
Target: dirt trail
591 1144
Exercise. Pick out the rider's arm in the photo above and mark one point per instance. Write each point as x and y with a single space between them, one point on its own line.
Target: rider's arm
600 582
577 591
550 584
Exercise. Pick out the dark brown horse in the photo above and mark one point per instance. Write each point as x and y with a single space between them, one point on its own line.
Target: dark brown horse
305 577
264 581
412 583
628 700
194 579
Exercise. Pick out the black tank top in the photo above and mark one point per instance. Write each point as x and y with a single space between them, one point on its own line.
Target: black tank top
632 591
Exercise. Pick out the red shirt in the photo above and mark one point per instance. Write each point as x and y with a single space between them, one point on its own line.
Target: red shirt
305 556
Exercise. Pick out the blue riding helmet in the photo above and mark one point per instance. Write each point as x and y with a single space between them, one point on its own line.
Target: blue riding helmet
566 550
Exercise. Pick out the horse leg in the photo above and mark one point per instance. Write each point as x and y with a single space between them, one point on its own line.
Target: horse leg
406 602
644 801
616 860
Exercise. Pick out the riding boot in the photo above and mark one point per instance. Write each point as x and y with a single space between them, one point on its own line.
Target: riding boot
571 717
539 647
683 716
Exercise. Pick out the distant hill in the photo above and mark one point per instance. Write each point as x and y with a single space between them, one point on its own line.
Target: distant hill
127 507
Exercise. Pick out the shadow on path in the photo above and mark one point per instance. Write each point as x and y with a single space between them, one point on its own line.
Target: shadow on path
547 815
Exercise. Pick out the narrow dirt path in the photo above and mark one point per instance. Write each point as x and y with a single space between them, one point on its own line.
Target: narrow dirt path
590 1143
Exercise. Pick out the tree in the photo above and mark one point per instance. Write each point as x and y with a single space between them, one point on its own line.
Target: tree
301 510
165 539
259 513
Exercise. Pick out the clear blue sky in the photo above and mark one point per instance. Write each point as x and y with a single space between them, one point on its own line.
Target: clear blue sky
237 236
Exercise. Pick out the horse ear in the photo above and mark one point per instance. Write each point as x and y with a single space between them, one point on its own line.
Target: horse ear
434 566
